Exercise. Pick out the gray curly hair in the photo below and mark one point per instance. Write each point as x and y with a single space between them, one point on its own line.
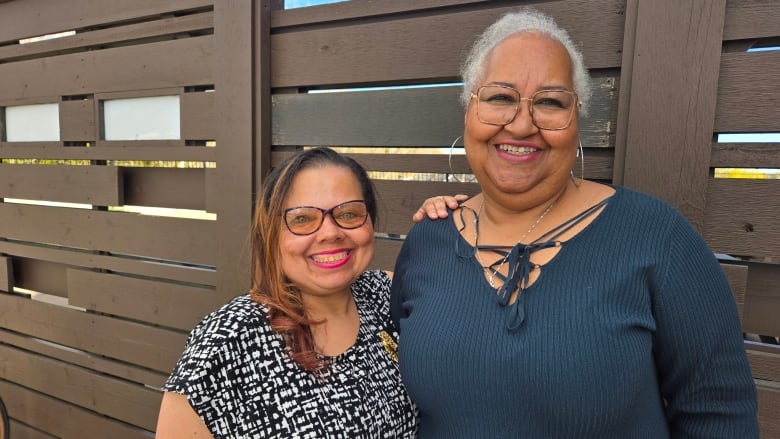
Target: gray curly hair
524 20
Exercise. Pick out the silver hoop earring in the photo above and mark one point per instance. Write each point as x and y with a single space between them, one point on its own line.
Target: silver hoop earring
581 156
449 159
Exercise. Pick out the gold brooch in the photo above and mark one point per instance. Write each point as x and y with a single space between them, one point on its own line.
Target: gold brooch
390 345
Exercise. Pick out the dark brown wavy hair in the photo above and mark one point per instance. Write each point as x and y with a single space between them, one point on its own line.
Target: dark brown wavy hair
270 286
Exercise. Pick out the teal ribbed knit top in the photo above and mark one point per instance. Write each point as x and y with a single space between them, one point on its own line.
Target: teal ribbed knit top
631 331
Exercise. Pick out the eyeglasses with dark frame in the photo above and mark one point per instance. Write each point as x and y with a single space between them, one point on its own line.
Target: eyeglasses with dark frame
550 109
305 220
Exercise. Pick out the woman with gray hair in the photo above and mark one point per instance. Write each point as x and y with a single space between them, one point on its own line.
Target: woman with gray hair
549 306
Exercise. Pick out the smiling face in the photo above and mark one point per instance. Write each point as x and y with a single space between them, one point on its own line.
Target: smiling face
518 160
327 261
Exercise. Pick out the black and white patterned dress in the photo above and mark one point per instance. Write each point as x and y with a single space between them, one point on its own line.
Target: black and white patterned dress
240 381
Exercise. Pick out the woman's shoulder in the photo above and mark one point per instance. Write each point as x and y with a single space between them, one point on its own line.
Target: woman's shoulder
372 283
372 290
233 320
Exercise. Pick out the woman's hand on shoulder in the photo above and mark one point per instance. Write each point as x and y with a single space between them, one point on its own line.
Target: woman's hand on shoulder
436 207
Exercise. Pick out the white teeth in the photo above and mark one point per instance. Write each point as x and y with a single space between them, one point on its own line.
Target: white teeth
516 149
329 259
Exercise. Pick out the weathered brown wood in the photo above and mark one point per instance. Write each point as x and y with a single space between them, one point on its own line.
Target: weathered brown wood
764 361
407 117
676 58
121 264
742 217
751 19
84 359
39 17
155 65
745 155
385 252
768 408
118 150
763 299
198 115
743 77
626 85
237 150
398 200
131 403
177 239
6 273
426 47
162 303
738 276
96 185
598 162
78 121
22 431
136 33
142 345
178 188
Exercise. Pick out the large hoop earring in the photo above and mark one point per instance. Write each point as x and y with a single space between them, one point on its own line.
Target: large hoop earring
581 156
449 159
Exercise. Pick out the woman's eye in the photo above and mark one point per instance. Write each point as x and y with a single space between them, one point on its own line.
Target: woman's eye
549 103
299 219
500 99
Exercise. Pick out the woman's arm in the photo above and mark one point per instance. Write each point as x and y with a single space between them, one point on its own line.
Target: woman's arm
178 420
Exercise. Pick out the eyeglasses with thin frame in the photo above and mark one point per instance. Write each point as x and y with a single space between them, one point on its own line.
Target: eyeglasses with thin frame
305 220
549 109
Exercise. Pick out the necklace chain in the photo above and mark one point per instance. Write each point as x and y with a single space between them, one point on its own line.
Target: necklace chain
492 272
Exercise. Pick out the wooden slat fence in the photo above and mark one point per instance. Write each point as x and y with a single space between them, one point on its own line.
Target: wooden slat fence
96 301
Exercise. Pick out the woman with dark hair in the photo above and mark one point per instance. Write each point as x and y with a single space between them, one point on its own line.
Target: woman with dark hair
310 351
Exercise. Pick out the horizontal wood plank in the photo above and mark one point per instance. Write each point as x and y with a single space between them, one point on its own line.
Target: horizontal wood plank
141 67
743 78
22 431
398 200
424 47
747 19
741 217
96 185
768 408
142 345
598 162
96 39
419 117
39 17
385 254
175 239
119 264
87 360
115 150
162 303
745 155
131 403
